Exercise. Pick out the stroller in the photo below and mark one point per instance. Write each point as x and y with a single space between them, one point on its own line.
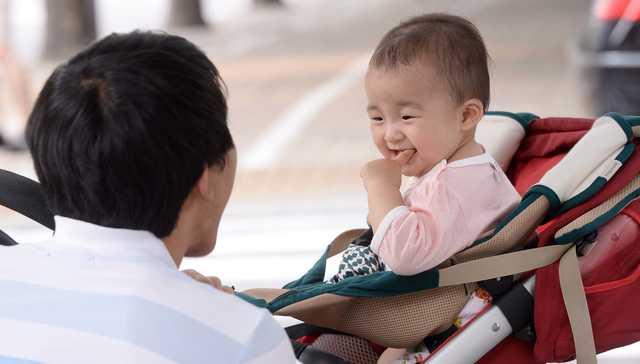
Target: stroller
579 180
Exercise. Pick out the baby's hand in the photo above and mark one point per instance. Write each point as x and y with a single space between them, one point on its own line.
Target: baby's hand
212 281
381 171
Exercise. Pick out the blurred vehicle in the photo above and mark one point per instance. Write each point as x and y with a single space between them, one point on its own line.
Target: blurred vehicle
609 50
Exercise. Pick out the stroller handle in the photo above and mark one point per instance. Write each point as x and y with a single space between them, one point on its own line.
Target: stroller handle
25 196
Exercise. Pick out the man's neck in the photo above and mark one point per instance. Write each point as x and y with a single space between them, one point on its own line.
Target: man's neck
175 247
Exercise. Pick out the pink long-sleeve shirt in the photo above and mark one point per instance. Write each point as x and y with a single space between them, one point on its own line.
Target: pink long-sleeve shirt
445 211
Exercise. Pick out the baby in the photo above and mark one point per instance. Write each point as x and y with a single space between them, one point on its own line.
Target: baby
427 87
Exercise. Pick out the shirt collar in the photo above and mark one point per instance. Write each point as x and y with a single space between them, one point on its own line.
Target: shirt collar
483 158
478 159
112 243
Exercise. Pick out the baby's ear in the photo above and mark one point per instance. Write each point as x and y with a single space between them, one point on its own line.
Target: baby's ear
472 112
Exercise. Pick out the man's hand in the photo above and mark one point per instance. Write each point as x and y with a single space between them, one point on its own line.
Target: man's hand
212 281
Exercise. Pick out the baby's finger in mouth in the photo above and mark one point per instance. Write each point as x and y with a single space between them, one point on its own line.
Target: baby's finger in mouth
404 156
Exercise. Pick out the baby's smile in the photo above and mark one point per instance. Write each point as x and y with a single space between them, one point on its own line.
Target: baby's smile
403 155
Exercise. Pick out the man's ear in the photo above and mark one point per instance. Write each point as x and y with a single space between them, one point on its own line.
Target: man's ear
203 186
472 111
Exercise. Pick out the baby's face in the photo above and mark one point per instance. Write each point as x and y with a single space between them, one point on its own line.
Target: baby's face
410 109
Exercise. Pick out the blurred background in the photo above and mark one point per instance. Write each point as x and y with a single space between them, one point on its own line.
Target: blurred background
294 69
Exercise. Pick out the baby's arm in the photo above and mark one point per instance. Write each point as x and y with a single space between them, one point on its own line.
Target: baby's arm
414 239
382 199
382 180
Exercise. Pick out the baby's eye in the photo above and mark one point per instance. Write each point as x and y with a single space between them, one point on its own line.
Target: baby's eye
376 120
408 117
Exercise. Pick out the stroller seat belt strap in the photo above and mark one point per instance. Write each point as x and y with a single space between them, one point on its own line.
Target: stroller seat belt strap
575 303
501 265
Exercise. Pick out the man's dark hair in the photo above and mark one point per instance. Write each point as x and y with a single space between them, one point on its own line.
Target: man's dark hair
121 133
452 44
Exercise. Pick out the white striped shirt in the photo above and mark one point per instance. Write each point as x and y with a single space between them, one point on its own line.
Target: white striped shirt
103 295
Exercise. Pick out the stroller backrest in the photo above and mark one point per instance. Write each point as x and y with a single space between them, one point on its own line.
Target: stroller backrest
568 160
501 134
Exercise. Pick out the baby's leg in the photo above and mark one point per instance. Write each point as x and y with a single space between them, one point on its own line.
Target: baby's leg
357 261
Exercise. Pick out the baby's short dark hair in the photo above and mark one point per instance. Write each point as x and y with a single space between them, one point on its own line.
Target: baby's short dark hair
453 45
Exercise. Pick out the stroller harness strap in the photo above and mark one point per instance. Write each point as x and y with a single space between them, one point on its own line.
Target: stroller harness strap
575 303
502 265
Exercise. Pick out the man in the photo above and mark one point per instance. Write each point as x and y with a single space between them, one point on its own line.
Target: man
130 143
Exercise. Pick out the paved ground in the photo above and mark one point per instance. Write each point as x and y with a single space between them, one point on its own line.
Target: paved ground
297 114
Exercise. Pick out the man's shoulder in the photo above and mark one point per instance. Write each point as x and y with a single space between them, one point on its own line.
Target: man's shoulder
250 332
22 253
136 302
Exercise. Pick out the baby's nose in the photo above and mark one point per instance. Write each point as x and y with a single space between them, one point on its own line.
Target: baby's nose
392 134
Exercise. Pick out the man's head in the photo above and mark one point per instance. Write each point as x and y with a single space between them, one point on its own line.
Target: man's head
428 86
124 132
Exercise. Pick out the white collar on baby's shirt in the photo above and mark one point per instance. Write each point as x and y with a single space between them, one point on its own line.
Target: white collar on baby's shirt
475 160
484 158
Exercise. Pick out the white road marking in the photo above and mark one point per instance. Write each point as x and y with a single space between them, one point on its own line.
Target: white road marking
287 127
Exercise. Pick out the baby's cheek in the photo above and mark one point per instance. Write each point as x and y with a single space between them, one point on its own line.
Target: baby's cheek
386 153
432 153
